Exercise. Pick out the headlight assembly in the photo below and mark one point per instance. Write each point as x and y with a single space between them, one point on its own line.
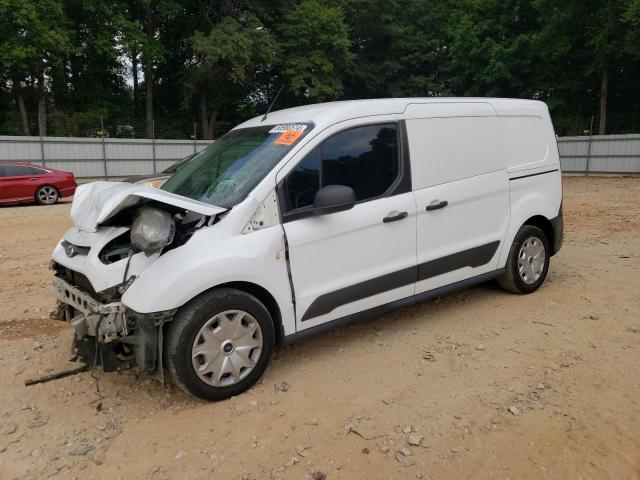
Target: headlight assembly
152 230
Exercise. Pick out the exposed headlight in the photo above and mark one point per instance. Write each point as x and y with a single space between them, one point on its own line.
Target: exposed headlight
152 230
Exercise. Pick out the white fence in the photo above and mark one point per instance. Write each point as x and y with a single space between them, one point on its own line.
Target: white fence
98 157
110 157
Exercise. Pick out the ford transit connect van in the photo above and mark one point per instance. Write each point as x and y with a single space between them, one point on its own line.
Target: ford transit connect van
302 220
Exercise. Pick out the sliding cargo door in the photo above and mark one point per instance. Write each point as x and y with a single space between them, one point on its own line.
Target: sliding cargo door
462 196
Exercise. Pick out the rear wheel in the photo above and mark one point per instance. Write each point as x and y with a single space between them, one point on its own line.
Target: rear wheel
528 261
219 344
47 195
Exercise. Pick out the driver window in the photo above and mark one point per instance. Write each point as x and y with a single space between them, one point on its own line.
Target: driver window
363 158
302 183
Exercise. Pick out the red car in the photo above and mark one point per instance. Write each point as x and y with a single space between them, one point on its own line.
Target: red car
23 182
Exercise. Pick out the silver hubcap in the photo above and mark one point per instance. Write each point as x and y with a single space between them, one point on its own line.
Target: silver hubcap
531 260
227 348
47 195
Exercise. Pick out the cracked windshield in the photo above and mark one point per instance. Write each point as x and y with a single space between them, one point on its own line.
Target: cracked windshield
228 169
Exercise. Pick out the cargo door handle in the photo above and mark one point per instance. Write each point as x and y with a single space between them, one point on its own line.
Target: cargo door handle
436 204
394 216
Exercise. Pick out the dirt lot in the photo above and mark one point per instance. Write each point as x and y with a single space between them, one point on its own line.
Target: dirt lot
491 385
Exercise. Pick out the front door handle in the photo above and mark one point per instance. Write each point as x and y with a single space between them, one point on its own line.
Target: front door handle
394 216
436 204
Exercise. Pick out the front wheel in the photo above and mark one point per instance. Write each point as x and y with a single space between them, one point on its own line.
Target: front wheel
528 261
219 344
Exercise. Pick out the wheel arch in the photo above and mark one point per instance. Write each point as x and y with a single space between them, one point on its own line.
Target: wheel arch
532 207
544 224
262 294
267 299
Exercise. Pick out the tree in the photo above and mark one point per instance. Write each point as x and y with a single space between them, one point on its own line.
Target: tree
132 40
607 40
142 27
314 45
34 35
490 49
88 82
221 61
406 52
594 40
225 59
631 21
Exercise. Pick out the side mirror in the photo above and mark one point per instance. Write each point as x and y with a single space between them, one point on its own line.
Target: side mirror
334 198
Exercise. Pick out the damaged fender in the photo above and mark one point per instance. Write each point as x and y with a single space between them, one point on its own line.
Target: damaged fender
181 274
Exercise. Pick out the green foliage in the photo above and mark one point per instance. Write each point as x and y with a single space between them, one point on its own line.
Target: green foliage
400 48
490 48
33 34
234 48
219 62
631 24
314 42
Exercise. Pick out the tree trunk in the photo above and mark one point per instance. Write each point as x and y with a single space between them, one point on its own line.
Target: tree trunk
17 90
212 125
208 121
42 105
148 84
136 85
23 114
148 73
604 87
204 115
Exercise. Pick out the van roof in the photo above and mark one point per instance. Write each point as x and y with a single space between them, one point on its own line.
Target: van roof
323 114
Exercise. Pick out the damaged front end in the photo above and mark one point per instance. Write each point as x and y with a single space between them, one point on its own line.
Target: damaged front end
100 257
109 334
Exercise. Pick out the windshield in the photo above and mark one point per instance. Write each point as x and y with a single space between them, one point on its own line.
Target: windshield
226 171
178 165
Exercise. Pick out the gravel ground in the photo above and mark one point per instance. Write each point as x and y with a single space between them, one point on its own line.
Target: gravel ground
479 384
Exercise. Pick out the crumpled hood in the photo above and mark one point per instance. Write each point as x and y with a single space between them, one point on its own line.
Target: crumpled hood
94 203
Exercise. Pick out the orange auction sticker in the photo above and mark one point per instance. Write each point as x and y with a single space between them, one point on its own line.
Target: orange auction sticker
288 137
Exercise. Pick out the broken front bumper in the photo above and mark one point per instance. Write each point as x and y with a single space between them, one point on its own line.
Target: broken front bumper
109 334
106 322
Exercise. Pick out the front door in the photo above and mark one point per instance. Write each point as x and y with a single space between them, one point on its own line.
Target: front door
350 261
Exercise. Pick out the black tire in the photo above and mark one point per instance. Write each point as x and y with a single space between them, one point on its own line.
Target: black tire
512 280
182 332
47 195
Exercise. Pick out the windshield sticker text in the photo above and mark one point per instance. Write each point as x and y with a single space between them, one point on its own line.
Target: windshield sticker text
285 127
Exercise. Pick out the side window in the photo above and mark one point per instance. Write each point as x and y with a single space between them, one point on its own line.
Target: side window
17 170
34 171
3 171
302 183
363 158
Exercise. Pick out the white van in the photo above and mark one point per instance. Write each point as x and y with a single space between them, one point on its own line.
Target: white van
302 220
